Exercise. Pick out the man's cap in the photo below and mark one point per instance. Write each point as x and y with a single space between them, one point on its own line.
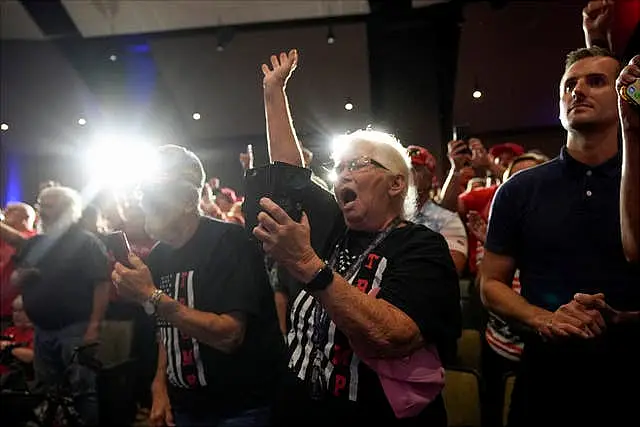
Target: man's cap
176 163
420 156
497 150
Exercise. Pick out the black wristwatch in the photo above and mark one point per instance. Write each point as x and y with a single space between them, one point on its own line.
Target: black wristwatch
321 280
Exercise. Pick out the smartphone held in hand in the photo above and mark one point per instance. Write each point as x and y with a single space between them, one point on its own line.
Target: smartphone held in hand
460 133
631 93
118 244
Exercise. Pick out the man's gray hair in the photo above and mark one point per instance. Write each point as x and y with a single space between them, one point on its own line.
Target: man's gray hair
71 202
386 149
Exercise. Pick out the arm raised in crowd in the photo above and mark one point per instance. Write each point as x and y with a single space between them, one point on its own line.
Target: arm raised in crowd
281 136
630 184
452 186
224 332
597 19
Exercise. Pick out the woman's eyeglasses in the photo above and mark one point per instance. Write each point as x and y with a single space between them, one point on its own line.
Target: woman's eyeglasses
414 152
357 164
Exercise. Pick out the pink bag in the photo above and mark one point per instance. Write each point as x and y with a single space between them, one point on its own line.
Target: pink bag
411 382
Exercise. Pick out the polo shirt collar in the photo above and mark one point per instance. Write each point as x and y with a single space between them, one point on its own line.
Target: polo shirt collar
610 168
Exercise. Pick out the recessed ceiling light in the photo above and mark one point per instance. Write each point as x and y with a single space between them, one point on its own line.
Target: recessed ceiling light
348 106
196 116
477 94
82 121
113 58
4 126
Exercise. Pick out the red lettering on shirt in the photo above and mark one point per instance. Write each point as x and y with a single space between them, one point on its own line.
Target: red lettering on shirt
341 382
362 285
341 356
371 259
187 357
191 379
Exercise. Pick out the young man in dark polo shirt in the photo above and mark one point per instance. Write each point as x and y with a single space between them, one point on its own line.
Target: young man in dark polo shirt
559 224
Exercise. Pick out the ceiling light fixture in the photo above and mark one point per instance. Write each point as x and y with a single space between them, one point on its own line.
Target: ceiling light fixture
196 116
82 121
113 58
348 106
4 127
477 93
331 38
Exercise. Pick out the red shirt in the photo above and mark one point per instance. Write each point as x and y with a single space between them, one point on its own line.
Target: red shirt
7 292
479 200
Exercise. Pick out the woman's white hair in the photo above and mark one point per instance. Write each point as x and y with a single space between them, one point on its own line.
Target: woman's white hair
71 202
388 151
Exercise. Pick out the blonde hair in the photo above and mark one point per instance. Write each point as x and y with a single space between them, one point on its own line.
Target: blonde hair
388 151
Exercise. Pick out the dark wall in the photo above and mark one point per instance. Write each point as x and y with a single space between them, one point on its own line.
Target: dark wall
413 64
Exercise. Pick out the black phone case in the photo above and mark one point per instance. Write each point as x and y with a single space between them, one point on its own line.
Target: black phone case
114 244
283 183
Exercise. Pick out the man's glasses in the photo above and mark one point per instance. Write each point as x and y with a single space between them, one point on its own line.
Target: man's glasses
357 164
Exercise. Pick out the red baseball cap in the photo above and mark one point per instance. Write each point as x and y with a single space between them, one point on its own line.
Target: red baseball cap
420 156
497 150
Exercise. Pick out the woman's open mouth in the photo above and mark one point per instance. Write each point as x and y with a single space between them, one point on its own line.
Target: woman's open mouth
347 196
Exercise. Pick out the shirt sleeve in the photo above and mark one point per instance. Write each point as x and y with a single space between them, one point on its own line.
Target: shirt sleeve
422 282
504 217
242 281
455 235
96 261
21 258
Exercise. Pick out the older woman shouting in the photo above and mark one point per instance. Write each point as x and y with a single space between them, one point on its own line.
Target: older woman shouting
378 303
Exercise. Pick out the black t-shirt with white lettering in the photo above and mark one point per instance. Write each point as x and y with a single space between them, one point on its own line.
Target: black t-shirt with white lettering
415 273
219 271
70 265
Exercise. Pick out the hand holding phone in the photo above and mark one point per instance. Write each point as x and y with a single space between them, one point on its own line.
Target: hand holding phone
460 133
118 244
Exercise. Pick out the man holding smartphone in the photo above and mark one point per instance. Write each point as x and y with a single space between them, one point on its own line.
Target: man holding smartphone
220 349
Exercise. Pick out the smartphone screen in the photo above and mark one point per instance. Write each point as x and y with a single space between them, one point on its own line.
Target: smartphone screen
118 244
250 153
460 133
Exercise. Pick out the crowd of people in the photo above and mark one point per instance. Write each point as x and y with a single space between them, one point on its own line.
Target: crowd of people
342 306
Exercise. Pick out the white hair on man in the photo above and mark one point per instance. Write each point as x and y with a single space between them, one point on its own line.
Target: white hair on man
28 211
61 209
386 149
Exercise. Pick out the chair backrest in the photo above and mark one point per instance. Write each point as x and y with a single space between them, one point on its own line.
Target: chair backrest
461 395
469 350
509 381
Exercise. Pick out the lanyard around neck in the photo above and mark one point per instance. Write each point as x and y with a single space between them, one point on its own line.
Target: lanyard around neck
353 268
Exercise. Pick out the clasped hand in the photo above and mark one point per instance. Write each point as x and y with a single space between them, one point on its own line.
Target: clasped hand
586 316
